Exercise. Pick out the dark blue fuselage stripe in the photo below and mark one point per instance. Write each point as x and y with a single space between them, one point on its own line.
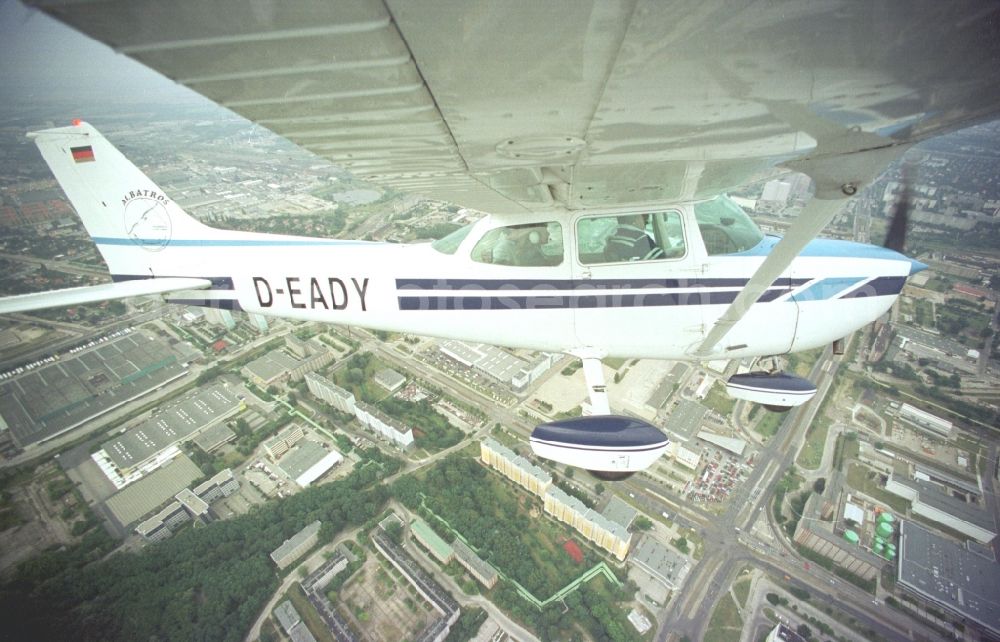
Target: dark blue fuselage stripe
218 282
882 286
625 450
578 284
575 301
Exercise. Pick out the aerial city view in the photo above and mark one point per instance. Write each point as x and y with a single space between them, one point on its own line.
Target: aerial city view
188 466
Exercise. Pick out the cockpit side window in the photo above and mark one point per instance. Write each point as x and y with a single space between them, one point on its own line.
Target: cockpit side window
725 228
526 245
630 237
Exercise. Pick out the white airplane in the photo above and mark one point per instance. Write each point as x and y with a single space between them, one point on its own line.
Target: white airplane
600 136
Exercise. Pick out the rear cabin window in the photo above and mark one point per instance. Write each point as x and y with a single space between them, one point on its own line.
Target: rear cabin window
725 228
630 237
526 245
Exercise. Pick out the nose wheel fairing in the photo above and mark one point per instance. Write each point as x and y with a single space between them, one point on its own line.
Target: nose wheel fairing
603 444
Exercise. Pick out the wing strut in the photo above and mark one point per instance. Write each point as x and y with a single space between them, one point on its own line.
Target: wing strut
814 217
593 372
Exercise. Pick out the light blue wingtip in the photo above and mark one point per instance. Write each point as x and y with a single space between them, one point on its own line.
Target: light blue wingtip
916 266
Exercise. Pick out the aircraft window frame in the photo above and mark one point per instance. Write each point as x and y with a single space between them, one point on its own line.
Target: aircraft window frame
449 243
537 244
739 235
609 247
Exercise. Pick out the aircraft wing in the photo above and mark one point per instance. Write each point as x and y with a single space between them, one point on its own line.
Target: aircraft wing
95 293
510 107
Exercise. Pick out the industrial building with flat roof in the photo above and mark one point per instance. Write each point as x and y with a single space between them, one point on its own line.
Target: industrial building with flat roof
926 421
52 399
293 547
667 566
284 441
188 504
145 495
278 365
308 461
847 555
139 447
497 362
733 445
929 501
685 420
213 437
949 575
389 379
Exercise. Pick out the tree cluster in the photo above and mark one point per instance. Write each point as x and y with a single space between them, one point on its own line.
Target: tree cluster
206 583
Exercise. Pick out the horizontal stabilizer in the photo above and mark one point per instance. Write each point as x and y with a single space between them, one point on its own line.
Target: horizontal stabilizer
95 293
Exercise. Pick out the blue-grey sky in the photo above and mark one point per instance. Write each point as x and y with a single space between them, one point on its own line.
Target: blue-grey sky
43 61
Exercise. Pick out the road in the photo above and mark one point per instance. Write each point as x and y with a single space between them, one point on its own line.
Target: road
723 554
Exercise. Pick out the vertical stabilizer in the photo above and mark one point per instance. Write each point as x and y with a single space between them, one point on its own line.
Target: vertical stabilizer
129 217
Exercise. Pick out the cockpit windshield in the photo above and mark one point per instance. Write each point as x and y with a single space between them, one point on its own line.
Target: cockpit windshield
449 244
725 228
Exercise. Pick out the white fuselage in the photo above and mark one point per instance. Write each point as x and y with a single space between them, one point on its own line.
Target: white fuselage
655 309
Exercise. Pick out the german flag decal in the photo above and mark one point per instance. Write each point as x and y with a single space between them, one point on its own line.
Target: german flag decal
83 154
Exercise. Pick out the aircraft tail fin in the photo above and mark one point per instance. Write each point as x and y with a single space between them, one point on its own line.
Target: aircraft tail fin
129 217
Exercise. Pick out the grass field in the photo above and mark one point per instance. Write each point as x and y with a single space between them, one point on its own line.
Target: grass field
726 623
812 451
857 477
768 424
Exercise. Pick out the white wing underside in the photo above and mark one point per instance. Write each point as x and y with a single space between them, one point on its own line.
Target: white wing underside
95 293
575 104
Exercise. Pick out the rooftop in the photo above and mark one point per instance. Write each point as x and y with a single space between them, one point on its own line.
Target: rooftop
389 379
196 505
213 437
50 399
430 539
466 554
933 496
296 540
686 419
946 573
494 361
619 511
219 478
302 457
735 446
138 498
667 565
272 365
538 473
170 426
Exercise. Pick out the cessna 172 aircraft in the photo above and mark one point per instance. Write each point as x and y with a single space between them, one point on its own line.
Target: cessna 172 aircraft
600 137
